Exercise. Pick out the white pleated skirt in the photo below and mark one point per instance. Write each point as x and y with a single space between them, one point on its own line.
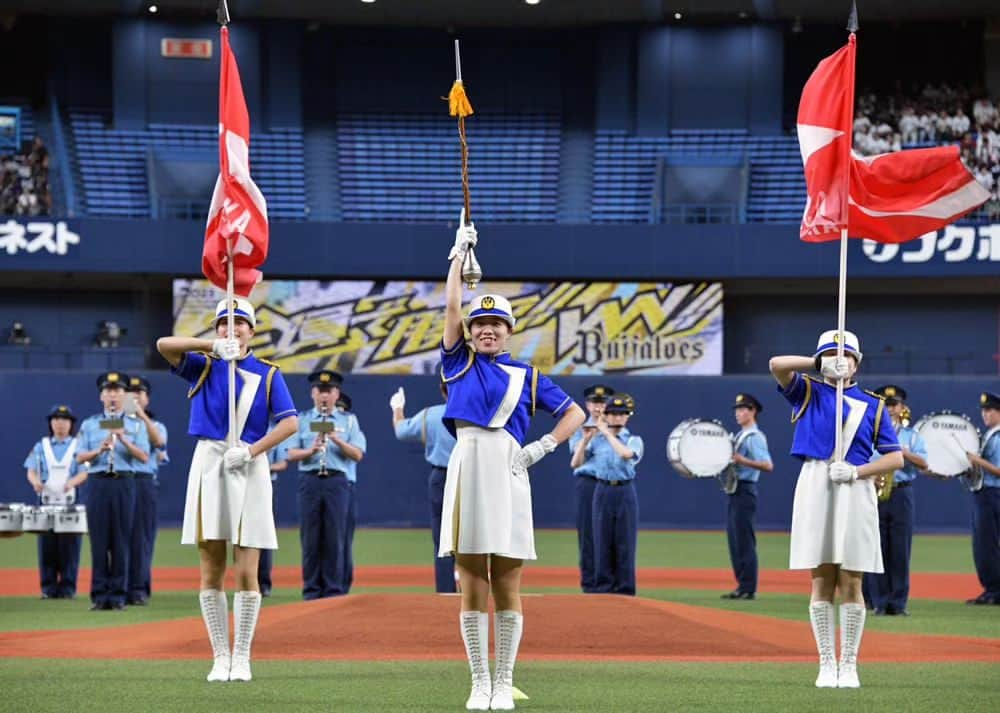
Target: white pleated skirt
487 509
221 506
834 523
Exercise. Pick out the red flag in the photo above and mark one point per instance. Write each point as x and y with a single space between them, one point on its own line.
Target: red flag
893 197
238 211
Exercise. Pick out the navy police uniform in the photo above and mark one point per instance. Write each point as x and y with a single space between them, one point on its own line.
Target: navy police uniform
584 484
426 427
344 405
111 500
277 456
325 492
144 523
986 513
58 553
616 505
890 591
742 504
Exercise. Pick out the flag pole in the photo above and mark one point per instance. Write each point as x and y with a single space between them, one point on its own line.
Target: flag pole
222 15
838 448
230 334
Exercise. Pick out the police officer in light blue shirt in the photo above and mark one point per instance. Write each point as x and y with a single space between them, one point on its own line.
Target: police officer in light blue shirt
278 458
426 427
113 457
345 405
55 476
890 590
615 452
326 459
986 503
750 458
585 481
143 537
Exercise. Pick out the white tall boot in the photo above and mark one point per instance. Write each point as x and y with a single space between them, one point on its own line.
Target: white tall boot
821 617
508 627
246 607
852 626
216 616
476 635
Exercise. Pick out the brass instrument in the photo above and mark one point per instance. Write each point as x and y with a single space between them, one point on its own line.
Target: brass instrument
322 436
884 482
112 423
322 427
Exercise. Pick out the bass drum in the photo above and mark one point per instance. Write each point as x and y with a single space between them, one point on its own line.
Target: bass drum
948 436
699 449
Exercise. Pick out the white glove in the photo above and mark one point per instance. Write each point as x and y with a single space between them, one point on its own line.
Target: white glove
398 399
465 237
836 368
237 458
226 349
842 472
534 452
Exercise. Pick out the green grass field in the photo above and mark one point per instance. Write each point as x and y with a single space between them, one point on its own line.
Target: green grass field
37 686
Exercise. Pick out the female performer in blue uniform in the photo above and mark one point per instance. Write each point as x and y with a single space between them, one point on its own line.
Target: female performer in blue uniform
486 515
229 489
835 514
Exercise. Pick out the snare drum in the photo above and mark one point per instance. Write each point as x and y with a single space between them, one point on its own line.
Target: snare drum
949 436
10 519
37 519
699 449
71 519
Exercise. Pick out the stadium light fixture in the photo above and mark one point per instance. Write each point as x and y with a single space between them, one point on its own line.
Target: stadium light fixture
368 2
532 2
153 9
678 16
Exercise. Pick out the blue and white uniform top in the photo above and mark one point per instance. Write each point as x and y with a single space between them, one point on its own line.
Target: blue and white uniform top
867 426
38 460
588 467
261 396
426 426
752 444
991 452
609 465
91 436
345 425
911 440
495 391
152 466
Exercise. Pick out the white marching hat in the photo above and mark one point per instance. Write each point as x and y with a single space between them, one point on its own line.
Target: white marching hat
241 308
828 341
491 305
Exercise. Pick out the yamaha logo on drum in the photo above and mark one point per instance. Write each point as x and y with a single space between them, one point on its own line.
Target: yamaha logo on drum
949 426
710 432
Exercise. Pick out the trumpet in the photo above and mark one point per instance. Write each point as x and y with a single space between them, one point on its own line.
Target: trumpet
111 453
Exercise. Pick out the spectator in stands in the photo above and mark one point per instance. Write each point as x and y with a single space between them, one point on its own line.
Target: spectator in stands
24 182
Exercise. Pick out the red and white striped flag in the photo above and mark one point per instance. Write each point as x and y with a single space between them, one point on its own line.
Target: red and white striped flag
892 197
238 211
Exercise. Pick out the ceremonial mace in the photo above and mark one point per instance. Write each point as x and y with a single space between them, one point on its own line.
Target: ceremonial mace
458 105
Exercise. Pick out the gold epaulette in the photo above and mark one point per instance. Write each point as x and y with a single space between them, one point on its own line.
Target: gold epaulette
268 362
872 393
468 365
204 374
805 401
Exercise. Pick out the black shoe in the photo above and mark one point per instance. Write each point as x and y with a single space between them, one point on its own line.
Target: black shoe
100 606
983 598
138 602
902 612
737 594
879 612
117 606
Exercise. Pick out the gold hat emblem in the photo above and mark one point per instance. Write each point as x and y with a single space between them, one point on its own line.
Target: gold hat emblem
63 409
488 302
983 398
134 381
890 391
599 391
324 378
112 377
739 398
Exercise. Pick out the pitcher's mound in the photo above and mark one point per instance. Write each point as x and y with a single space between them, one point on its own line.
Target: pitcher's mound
558 627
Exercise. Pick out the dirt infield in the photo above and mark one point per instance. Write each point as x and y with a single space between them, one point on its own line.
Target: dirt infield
948 586
558 627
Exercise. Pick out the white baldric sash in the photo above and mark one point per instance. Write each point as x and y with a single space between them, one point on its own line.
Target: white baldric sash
55 492
515 387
